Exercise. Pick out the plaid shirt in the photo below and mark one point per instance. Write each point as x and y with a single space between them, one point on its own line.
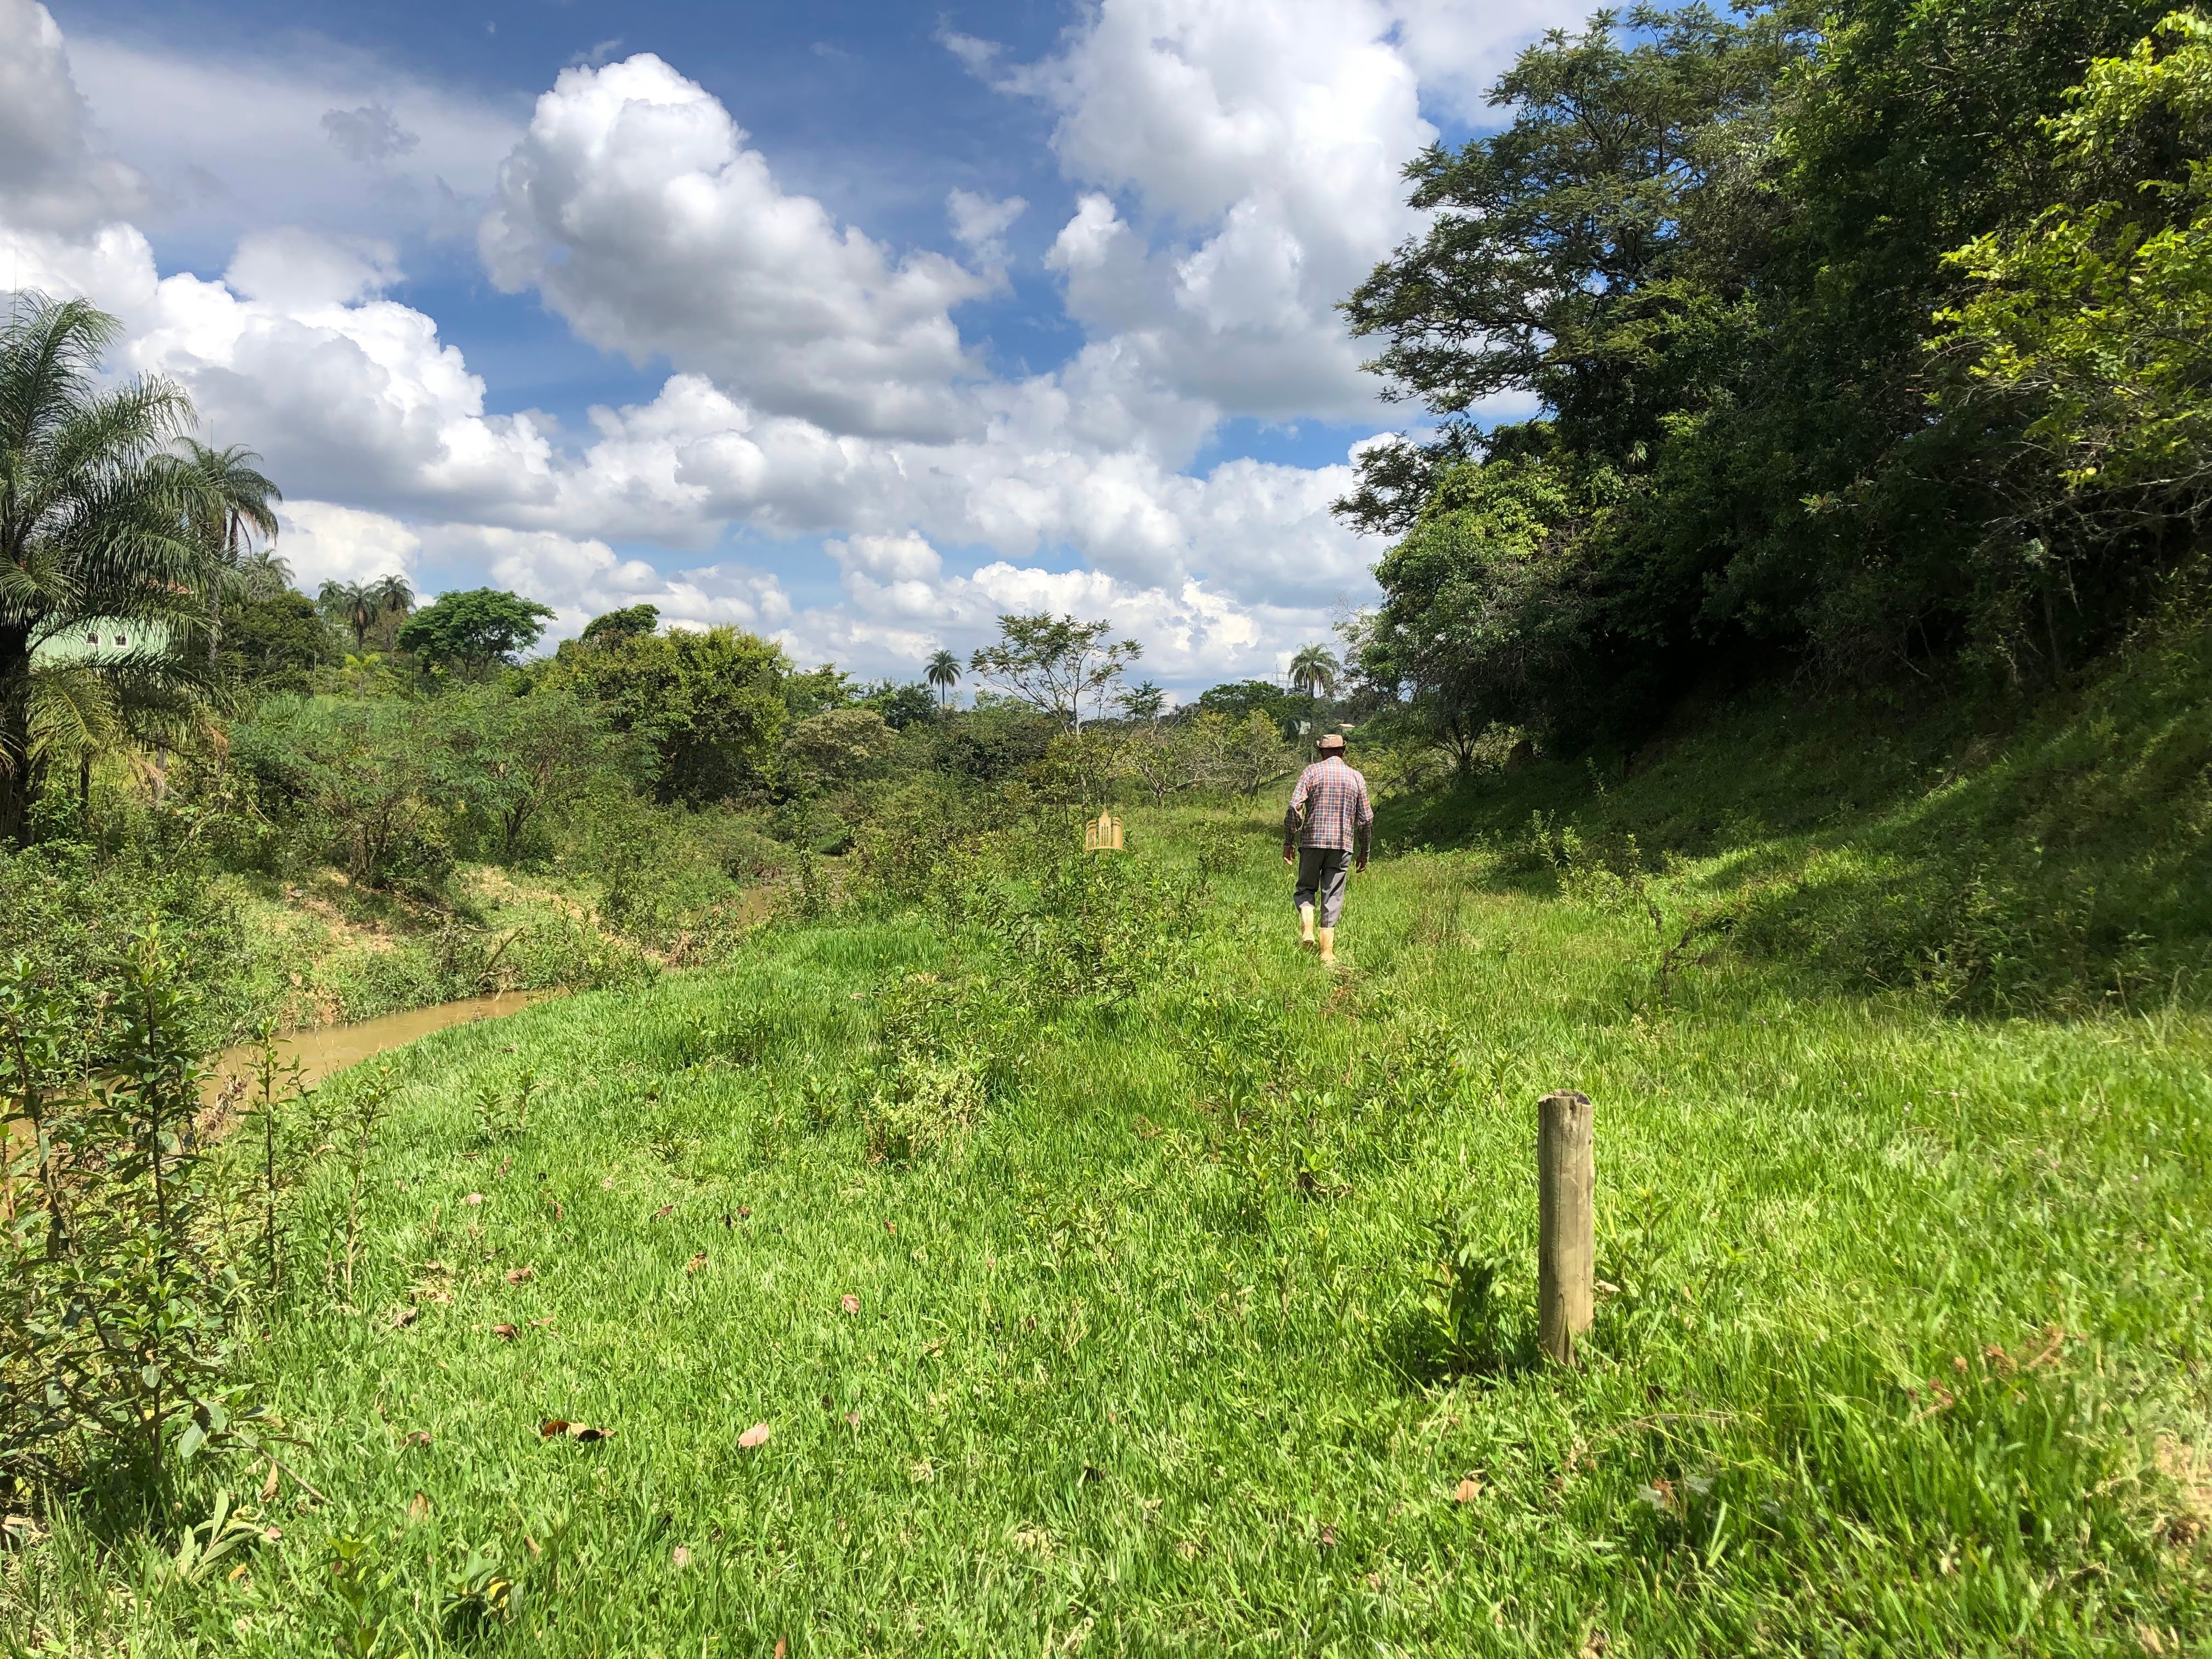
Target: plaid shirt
1334 799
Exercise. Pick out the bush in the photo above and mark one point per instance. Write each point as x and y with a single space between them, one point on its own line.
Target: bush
123 1297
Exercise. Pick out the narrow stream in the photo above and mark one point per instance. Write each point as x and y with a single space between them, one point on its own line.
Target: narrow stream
333 1047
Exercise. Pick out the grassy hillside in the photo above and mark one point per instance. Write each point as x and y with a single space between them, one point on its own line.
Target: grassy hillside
1996 856
1191 1291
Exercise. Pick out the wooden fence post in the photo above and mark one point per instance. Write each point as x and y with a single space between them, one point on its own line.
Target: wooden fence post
1566 1216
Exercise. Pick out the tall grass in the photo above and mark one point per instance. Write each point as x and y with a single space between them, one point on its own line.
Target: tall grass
1205 1324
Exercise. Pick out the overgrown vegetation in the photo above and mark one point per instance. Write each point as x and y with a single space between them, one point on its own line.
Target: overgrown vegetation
1868 339
1194 1309
1794 737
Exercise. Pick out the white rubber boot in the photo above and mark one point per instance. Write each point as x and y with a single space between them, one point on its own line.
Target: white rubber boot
1328 947
1305 924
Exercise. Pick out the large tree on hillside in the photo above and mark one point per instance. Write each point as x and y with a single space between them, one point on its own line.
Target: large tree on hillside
1563 258
92 528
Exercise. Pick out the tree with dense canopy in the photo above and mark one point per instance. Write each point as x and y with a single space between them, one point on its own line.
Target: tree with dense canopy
475 629
1712 251
710 706
616 626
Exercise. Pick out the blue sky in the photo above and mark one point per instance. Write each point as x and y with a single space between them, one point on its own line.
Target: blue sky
854 323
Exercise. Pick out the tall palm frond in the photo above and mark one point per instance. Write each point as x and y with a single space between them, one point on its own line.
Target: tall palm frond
227 501
93 526
1315 670
943 673
353 604
265 573
393 596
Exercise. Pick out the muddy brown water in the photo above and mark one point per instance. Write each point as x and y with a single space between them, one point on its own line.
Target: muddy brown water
322 1051
329 1049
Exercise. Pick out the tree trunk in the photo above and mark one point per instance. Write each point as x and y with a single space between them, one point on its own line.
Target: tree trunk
18 782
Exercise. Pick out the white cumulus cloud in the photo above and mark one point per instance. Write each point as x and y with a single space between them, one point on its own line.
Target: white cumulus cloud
635 208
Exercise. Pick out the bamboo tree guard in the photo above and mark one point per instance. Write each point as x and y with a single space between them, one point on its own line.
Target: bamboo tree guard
1566 1217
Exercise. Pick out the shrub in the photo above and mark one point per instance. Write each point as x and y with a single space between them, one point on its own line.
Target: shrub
123 1297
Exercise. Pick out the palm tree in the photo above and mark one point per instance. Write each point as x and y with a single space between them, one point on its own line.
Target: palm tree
92 528
393 595
394 599
355 605
1314 672
943 673
226 503
265 573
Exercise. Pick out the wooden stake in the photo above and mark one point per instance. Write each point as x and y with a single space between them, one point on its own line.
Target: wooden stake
1566 1216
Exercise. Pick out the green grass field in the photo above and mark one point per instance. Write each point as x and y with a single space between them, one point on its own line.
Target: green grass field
1213 1331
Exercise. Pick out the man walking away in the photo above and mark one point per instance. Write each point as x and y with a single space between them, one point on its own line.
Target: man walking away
1325 832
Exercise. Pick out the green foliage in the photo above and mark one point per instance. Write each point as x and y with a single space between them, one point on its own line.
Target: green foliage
272 644
1239 701
838 746
710 706
123 1299
474 630
901 705
363 784
1711 250
1055 664
616 626
520 763
75 917
92 527
2091 333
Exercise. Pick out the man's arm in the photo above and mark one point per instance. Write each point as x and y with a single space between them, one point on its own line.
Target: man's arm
1362 828
1292 818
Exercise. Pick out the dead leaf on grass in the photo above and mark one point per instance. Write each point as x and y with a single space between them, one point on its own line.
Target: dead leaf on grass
663 1210
680 1557
756 1436
418 1508
779 1648
745 1212
1467 1491
607 1185
892 1227
473 1198
851 1304
269 1487
559 1214
852 1419
553 1426
505 1333
516 1275
419 1438
695 1263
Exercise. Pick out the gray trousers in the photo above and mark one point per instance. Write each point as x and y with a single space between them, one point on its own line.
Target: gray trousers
1321 870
